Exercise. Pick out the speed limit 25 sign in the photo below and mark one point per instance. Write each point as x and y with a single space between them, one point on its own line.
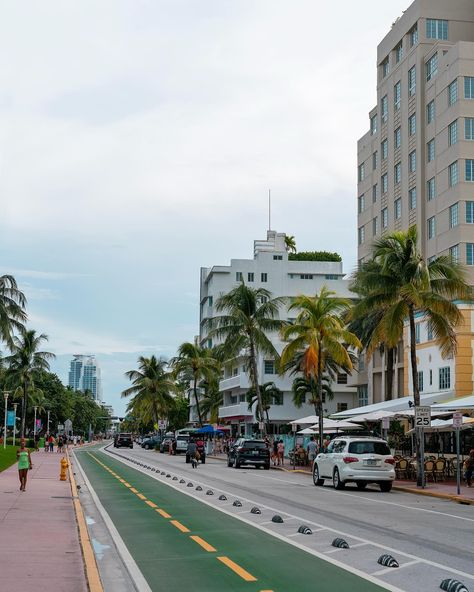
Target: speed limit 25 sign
422 417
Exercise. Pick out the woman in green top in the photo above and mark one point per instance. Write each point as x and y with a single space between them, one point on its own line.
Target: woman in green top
24 463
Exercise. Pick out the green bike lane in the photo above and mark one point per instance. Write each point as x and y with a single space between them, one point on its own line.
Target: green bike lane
157 523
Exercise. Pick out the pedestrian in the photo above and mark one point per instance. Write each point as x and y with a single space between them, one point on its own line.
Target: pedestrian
469 468
281 453
24 464
37 441
74 441
174 445
326 443
46 443
275 451
51 443
60 444
311 448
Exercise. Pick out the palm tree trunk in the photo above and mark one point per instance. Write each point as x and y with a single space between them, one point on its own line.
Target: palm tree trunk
389 378
416 394
196 398
254 379
23 411
320 399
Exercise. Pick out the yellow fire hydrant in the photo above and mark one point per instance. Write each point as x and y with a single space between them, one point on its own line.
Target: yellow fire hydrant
64 466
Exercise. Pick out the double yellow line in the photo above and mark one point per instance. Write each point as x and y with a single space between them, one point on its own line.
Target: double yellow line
240 571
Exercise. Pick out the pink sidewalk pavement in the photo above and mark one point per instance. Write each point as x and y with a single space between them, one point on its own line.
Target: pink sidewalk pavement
39 541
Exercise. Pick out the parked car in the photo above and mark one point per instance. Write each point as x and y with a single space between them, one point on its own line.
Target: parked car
248 452
165 444
355 459
151 442
123 440
182 443
201 448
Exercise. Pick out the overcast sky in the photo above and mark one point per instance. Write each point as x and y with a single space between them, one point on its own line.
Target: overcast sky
138 140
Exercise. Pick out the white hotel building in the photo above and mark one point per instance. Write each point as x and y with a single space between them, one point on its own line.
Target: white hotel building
271 269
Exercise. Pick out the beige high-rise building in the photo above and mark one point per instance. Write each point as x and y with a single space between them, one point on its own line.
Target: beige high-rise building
416 166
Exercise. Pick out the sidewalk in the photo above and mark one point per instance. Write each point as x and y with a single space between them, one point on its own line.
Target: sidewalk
39 542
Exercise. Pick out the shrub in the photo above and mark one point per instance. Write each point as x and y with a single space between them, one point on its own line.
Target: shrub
314 256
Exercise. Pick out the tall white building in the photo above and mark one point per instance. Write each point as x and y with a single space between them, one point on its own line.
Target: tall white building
271 269
85 375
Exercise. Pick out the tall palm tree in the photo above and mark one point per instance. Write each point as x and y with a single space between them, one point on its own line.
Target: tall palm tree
196 363
12 309
318 341
248 316
406 285
152 388
302 386
269 394
290 244
212 399
26 363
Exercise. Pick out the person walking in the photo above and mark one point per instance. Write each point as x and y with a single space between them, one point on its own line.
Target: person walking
469 468
46 442
311 448
24 464
51 443
275 451
60 444
281 453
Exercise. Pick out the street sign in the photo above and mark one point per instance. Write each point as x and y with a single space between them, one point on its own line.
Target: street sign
422 417
294 427
261 425
385 423
10 419
457 420
162 424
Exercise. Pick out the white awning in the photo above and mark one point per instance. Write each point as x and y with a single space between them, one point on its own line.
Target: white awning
395 405
455 404
308 420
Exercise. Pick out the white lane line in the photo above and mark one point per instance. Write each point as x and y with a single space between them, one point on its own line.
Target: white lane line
388 570
303 521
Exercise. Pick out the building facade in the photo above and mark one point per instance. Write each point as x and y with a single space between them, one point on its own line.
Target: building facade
416 163
85 375
271 269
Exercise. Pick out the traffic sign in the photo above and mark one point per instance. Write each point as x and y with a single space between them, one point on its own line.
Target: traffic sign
422 417
457 420
261 425
385 423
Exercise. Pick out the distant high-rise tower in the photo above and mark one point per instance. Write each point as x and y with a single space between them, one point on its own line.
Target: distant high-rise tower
84 375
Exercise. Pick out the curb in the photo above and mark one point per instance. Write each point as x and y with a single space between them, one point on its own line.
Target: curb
91 569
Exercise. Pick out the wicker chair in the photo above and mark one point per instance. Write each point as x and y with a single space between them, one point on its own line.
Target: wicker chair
401 468
440 469
429 470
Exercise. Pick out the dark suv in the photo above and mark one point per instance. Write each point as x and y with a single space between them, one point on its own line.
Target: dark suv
248 452
123 440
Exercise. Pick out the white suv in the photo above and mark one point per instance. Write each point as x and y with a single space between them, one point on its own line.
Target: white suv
355 459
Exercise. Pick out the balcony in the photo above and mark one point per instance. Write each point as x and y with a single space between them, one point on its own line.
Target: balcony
234 382
237 410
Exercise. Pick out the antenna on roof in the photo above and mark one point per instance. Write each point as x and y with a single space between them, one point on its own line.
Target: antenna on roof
269 209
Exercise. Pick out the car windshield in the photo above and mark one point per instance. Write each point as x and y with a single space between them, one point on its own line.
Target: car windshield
254 444
184 438
369 448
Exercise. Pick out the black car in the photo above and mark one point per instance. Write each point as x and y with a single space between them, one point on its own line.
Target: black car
151 442
123 440
248 452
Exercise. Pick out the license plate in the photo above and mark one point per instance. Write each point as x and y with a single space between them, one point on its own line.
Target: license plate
371 462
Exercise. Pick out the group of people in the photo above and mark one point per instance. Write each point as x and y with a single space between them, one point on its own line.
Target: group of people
62 442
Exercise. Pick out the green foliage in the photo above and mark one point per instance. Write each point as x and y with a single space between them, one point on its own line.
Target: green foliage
7 456
178 413
314 256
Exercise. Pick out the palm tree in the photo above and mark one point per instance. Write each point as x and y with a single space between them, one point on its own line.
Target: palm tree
406 285
211 399
269 394
302 386
290 244
195 363
318 341
248 316
26 363
152 388
12 309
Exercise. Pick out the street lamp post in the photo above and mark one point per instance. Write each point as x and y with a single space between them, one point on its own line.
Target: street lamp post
15 405
34 426
47 431
5 394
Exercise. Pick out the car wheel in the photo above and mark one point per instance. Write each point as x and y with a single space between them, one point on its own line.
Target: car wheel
336 480
147 447
386 486
236 464
267 467
361 484
316 478
229 462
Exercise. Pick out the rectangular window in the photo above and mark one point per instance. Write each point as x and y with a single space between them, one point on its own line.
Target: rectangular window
384 217
431 227
280 257
412 125
470 212
417 333
250 277
430 111
375 226
362 395
373 124
445 378
469 87
469 253
210 300
397 95
430 150
412 81
384 148
452 92
413 35
412 198
454 255
361 172
397 138
397 173
469 169
361 203
412 161
269 367
453 133
384 183
399 52
384 108
238 276
453 174
263 277
374 160
397 209
420 381
436 29
306 276
385 67
454 215
431 67
361 235
431 189
431 377
429 331
341 407
469 128
374 193
342 378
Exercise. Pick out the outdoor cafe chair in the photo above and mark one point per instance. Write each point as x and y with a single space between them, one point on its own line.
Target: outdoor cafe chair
402 468
429 470
440 469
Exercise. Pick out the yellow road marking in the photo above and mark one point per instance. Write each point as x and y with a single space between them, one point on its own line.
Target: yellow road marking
141 496
122 480
180 526
237 569
126 484
163 513
134 490
203 543
151 504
